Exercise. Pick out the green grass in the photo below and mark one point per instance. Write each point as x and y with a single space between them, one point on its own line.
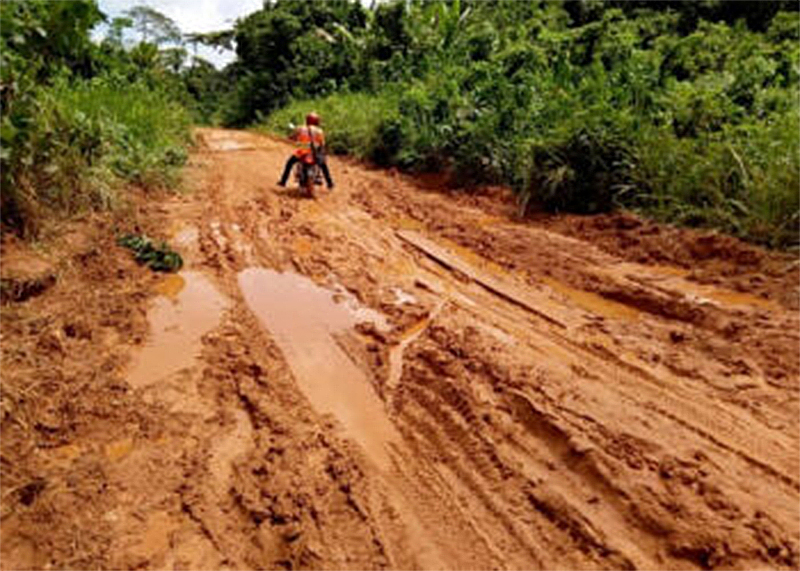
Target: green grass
76 144
352 122
742 179
147 130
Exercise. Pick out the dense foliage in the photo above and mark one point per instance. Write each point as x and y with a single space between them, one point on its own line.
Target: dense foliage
82 117
687 111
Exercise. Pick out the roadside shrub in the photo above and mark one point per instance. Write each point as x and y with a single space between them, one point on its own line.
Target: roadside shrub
684 114
743 181
147 130
354 123
73 144
80 117
585 174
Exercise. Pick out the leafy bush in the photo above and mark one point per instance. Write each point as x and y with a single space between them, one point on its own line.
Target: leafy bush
74 143
587 174
687 112
354 123
79 119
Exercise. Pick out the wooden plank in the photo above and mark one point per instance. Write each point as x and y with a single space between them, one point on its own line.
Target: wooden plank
500 287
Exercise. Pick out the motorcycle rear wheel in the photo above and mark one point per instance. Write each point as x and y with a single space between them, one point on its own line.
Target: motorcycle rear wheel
309 185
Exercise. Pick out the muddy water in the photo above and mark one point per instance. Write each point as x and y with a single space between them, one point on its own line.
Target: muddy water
728 297
170 286
718 296
303 319
593 302
676 278
188 307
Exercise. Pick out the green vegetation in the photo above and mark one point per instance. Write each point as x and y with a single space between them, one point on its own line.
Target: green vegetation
685 111
158 257
82 140
353 122
80 119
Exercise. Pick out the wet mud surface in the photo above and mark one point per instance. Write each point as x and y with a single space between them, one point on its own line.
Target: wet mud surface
398 376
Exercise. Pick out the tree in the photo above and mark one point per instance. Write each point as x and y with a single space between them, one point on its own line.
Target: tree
222 40
296 48
154 26
41 37
116 30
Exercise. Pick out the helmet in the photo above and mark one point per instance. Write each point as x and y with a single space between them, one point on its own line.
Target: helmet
312 119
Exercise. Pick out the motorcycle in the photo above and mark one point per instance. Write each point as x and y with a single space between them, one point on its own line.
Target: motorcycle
308 174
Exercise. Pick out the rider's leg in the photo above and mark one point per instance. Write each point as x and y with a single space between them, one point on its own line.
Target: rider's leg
286 171
324 166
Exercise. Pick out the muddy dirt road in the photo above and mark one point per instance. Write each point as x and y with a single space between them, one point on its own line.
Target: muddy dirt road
395 377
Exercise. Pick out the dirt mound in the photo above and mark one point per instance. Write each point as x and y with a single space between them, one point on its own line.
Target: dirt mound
24 273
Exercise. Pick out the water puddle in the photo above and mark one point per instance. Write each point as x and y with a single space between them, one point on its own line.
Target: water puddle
488 220
593 302
636 271
720 297
676 279
669 271
409 224
170 286
476 260
303 318
189 306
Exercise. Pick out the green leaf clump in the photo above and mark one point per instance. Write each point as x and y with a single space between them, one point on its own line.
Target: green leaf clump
157 256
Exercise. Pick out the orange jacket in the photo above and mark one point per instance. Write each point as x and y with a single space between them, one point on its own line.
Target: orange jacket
304 136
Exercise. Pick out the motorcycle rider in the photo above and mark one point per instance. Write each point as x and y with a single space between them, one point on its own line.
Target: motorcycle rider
305 136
